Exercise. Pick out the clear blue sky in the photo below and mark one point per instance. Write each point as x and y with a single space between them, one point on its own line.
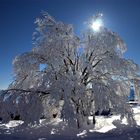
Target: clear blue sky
17 24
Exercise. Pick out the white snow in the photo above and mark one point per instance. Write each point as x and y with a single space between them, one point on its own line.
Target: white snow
13 124
106 128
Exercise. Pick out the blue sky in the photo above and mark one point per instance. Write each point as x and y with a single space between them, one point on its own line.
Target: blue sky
17 24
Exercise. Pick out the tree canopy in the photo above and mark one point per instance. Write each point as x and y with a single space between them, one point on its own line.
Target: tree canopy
81 75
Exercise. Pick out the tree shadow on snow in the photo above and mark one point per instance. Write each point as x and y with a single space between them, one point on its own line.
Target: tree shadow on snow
59 132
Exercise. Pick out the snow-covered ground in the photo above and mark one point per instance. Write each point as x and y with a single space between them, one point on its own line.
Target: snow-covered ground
106 128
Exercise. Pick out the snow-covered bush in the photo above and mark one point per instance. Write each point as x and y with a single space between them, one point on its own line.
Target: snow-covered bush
24 104
81 75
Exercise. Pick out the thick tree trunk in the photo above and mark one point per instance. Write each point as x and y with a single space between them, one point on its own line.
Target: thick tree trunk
93 121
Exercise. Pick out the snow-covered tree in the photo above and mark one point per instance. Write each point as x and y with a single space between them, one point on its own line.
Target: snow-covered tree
80 75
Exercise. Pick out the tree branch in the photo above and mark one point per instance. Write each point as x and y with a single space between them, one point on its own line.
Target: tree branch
24 90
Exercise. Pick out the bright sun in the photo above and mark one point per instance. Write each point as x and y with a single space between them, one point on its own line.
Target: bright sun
97 24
